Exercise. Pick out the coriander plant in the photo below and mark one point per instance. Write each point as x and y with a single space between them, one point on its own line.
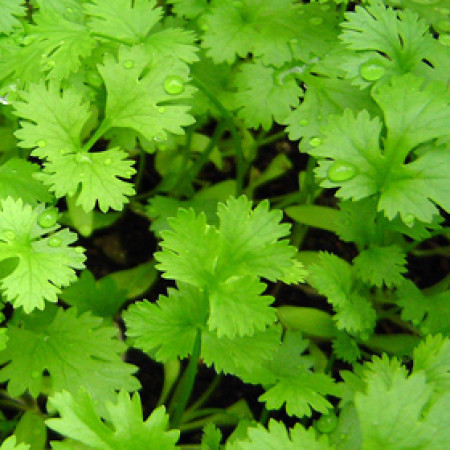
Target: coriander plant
224 224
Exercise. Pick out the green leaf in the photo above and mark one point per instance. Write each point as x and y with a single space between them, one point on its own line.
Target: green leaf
52 120
189 8
211 437
346 348
17 181
136 95
380 266
277 436
263 95
98 177
43 263
103 298
124 430
122 20
9 11
11 444
31 430
264 29
74 350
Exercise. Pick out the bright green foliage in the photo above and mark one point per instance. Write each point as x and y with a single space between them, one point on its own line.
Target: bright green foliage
189 8
129 22
75 350
429 310
264 95
37 267
9 10
124 429
17 181
228 260
238 28
11 444
211 437
346 348
277 436
381 265
401 35
103 298
406 189
335 278
141 102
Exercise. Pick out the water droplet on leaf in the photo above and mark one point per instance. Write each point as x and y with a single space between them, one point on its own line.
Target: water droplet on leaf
48 218
128 64
82 157
371 70
304 122
34 374
9 235
341 171
409 220
315 20
54 241
161 109
315 141
443 25
444 39
173 85
327 423
160 137
107 161
41 143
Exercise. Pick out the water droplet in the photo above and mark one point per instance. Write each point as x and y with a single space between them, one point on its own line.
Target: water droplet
48 218
372 70
46 338
9 235
204 27
280 78
82 157
34 374
161 109
82 175
327 423
128 64
304 122
54 241
342 436
325 7
63 151
108 161
444 39
79 249
341 171
315 141
41 143
409 220
160 137
316 20
443 25
173 85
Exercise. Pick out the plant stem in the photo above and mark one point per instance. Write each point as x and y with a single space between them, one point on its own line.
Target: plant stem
101 130
273 138
184 388
240 161
433 234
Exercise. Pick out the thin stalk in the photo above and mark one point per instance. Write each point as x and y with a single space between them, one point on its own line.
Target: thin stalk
240 161
433 234
273 138
203 398
184 388
101 130
202 422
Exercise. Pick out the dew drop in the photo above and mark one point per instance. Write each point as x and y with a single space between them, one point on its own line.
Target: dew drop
304 122
327 423
107 161
315 141
173 85
63 151
48 218
128 64
444 39
161 109
82 174
204 28
34 374
27 40
371 70
160 137
41 143
341 171
409 220
54 241
342 436
82 157
9 235
316 20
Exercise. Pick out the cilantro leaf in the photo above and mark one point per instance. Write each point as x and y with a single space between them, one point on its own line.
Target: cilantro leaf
75 350
346 348
381 265
189 8
277 436
251 26
11 444
264 96
335 278
211 437
16 181
122 20
97 176
9 11
137 97
125 428
42 265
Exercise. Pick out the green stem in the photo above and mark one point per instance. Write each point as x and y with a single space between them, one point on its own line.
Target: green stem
433 234
184 388
273 138
202 422
101 130
240 161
